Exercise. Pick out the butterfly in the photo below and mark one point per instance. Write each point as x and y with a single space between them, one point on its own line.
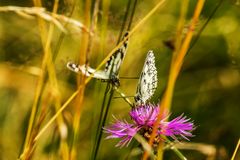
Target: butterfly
147 83
112 67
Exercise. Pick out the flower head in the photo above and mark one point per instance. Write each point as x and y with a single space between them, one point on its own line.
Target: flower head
144 117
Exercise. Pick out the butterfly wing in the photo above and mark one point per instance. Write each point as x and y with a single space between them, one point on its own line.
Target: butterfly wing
148 80
113 64
111 69
87 71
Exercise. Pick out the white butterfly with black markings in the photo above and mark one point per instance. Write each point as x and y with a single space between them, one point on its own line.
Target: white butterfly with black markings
147 83
112 67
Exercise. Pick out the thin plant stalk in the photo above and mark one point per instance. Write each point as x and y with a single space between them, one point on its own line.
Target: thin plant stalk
76 120
132 14
124 21
99 124
174 71
44 105
104 24
180 27
236 149
85 48
205 24
103 117
64 106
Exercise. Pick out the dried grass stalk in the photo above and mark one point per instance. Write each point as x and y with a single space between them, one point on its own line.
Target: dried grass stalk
60 21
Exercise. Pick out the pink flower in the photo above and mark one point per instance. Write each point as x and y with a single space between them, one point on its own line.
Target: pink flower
144 117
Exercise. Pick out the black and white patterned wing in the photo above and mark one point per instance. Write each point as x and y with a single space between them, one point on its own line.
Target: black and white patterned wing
113 64
88 71
112 67
148 80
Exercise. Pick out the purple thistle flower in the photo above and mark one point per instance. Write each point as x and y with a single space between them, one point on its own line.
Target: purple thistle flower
144 117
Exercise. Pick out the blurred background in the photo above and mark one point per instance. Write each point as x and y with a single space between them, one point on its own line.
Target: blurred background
207 89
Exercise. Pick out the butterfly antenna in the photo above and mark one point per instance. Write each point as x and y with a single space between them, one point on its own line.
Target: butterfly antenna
123 97
129 77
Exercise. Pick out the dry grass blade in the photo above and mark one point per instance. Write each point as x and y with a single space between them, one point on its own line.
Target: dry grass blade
236 149
56 19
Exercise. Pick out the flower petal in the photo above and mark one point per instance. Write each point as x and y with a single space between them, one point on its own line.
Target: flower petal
180 126
145 115
122 130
